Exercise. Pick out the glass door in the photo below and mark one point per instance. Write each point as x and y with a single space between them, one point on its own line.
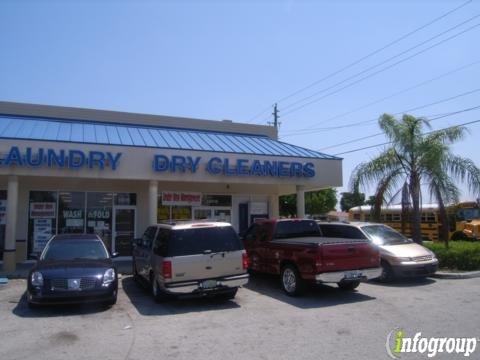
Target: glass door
124 230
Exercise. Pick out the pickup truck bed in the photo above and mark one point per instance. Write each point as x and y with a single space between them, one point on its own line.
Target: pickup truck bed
277 247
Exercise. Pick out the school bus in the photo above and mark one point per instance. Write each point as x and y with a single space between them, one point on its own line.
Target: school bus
463 219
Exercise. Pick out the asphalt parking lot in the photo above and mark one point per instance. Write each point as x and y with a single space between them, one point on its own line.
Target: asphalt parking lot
261 323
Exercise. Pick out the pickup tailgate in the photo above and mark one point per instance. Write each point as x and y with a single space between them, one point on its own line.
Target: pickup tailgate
346 254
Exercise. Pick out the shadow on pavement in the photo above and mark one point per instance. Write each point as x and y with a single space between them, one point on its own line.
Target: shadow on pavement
315 296
22 309
143 301
404 282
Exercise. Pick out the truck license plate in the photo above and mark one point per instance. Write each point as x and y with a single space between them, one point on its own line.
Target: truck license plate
349 275
208 284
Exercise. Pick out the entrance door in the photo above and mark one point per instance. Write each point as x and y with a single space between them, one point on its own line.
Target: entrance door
124 230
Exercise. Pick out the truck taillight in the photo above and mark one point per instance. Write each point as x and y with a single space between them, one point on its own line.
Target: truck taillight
167 269
245 261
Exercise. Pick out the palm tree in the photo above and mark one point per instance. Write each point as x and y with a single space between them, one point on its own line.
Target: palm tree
412 159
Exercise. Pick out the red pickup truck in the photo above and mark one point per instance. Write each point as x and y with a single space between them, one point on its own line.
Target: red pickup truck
296 249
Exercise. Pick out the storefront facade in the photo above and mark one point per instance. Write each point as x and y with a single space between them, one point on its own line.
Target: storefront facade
66 170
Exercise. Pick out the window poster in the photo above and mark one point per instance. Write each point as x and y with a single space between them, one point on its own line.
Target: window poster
42 232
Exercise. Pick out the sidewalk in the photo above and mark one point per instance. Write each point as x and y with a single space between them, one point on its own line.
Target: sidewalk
124 266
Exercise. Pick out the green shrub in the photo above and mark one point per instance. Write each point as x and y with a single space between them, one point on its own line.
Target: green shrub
462 255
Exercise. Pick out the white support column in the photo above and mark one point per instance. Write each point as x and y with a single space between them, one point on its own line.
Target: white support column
9 252
273 208
300 201
152 202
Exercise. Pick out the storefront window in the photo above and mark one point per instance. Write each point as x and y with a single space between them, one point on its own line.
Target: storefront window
222 215
181 213
172 212
71 212
3 212
99 216
202 214
42 221
125 199
217 200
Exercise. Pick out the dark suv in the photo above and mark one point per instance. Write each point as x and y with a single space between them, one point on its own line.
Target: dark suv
194 259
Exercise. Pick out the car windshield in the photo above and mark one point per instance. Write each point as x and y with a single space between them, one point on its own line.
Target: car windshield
384 235
200 240
291 229
73 250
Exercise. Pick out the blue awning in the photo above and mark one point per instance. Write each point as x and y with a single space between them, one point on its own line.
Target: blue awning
83 132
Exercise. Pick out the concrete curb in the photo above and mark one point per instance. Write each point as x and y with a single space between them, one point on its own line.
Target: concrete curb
456 275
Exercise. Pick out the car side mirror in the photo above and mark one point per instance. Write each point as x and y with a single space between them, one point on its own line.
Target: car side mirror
115 254
138 241
34 256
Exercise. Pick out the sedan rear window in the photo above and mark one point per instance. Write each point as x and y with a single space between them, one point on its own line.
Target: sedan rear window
200 240
74 250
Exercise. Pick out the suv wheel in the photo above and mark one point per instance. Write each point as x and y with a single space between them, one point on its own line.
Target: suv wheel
158 294
348 285
291 281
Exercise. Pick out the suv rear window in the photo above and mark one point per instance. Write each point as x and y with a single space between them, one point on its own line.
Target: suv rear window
198 240
291 229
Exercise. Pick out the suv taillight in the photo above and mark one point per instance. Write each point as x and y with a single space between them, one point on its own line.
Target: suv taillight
245 261
167 269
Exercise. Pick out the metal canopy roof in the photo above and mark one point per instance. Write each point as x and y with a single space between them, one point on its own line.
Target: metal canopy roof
51 129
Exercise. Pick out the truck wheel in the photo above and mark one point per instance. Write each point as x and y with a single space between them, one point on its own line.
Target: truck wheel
348 285
291 281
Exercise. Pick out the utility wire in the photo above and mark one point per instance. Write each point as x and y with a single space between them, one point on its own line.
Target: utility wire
423 83
381 70
381 133
383 62
315 130
389 142
365 57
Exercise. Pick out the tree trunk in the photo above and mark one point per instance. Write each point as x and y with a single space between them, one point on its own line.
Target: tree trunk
444 226
405 208
443 217
416 211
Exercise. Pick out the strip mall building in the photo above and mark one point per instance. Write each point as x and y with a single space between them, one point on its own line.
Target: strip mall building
70 170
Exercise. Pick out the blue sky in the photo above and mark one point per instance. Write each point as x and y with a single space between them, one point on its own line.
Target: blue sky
233 59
